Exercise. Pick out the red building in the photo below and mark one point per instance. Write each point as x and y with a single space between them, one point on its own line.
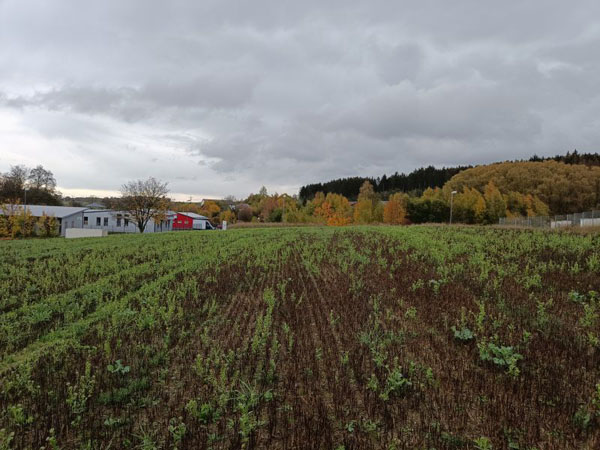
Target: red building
183 222
191 221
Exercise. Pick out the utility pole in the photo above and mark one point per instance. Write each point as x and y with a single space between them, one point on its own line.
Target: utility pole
451 198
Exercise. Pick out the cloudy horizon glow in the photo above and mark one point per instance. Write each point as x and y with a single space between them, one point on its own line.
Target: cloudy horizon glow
222 97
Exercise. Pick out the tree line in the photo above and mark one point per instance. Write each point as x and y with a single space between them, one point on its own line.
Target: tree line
586 159
468 205
418 180
481 194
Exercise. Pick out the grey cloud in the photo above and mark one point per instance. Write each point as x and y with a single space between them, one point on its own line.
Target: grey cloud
449 112
236 94
399 63
129 103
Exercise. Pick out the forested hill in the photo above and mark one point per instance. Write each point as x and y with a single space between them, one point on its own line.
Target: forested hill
419 179
423 178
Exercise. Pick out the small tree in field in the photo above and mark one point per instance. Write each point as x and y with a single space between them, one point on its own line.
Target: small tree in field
145 200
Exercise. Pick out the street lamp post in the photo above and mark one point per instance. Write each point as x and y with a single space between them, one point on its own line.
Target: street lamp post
25 200
451 198
283 213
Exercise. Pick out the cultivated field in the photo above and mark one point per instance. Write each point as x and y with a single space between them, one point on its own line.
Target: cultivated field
311 338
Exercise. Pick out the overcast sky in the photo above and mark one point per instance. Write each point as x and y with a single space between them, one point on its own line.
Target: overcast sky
220 97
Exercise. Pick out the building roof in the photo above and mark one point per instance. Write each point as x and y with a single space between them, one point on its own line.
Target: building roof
194 215
57 211
114 212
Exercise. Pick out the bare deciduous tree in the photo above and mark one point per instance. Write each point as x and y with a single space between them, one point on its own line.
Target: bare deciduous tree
145 200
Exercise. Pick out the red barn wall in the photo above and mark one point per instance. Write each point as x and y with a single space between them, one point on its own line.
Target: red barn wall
182 222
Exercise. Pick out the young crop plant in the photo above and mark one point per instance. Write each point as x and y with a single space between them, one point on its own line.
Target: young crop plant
18 416
177 429
543 318
247 400
480 317
118 368
148 438
79 394
6 437
396 384
462 332
205 413
502 356
436 285
576 297
593 263
588 415
411 313
483 443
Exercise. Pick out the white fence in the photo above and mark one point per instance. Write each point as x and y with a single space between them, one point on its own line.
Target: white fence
584 219
72 233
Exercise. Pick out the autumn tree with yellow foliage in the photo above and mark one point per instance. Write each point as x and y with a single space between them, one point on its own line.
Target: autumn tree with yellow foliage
564 188
469 206
368 208
16 222
495 206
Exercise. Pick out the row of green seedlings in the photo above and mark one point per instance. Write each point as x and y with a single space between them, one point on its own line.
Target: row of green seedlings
389 380
588 322
23 325
587 416
153 313
122 394
238 396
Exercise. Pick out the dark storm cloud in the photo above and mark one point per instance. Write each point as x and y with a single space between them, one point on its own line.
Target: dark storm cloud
224 96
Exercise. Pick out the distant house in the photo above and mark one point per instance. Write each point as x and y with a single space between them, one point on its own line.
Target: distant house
67 216
215 200
191 221
120 221
95 205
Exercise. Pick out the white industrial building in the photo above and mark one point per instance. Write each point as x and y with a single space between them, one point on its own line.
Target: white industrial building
120 222
106 219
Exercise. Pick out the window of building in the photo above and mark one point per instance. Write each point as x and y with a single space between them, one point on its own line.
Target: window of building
97 221
85 220
118 220
106 221
126 222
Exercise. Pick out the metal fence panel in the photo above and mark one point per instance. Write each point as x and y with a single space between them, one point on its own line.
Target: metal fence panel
582 219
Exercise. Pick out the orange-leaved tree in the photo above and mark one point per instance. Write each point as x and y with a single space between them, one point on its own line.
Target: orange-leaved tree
334 209
394 211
